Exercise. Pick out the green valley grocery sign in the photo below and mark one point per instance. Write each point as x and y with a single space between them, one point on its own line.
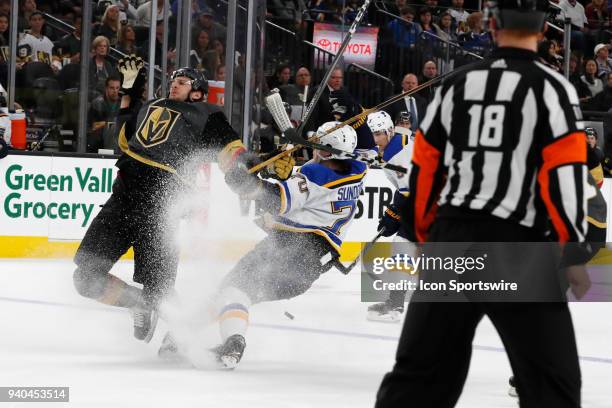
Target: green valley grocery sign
18 182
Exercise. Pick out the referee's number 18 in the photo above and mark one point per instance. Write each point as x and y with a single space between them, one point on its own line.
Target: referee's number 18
492 118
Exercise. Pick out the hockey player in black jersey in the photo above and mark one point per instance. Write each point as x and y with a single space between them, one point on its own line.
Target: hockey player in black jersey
162 143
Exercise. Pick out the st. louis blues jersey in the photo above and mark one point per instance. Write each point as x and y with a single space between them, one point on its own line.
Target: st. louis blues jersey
319 200
399 152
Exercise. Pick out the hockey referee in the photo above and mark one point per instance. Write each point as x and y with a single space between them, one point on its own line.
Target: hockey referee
499 156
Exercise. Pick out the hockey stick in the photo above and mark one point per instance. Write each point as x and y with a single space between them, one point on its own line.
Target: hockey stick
337 57
349 121
274 103
390 101
346 269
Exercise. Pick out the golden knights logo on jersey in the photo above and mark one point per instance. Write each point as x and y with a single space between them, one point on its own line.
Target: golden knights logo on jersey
156 126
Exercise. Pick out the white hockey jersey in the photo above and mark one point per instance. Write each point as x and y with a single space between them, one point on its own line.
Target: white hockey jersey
36 49
399 152
318 200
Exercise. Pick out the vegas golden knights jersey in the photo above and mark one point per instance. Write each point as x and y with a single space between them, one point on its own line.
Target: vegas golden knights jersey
167 134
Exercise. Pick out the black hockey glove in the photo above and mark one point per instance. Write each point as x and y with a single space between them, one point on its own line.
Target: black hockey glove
238 178
390 221
133 76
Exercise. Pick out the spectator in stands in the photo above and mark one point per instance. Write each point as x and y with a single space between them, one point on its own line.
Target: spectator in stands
100 67
26 8
350 11
414 104
547 56
598 18
459 15
34 46
604 63
293 94
574 77
5 7
220 74
281 77
404 32
325 11
336 103
202 42
444 29
217 45
4 30
69 46
210 62
602 101
575 12
396 7
426 42
429 72
590 79
436 11
127 12
126 42
110 25
214 29
103 112
143 13
159 38
475 39
425 20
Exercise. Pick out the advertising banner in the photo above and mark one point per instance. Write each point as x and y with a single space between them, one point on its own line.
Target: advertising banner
361 49
58 197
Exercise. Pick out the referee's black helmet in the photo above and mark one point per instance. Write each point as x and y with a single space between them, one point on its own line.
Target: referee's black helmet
524 15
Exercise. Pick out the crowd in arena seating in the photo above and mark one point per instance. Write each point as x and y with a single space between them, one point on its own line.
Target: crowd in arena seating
417 41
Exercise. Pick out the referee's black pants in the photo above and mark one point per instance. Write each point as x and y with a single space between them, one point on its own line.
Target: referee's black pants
435 346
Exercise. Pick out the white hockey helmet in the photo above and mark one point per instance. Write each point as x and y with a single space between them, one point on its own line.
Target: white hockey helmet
344 138
380 122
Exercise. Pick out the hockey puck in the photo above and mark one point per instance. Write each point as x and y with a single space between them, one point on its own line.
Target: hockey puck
289 315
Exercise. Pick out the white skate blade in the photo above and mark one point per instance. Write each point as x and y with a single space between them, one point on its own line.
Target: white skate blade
228 362
153 326
391 317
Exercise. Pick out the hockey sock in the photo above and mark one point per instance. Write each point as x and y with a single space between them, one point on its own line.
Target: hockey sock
233 316
118 293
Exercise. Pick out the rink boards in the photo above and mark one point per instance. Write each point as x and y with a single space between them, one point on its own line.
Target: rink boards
49 201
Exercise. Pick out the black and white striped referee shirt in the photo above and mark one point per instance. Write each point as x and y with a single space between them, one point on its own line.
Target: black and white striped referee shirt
503 137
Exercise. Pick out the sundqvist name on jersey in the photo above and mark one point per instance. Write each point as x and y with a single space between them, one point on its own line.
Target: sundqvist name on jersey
349 193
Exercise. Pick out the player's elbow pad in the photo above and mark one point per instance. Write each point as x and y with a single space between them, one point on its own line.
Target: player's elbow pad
270 197
228 155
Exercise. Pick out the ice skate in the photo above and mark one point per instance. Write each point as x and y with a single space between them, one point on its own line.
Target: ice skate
230 353
385 312
145 321
169 349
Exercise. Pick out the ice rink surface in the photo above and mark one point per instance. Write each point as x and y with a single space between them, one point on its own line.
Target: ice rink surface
328 356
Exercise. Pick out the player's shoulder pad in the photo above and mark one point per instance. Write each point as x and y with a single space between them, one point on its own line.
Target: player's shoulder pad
396 144
323 176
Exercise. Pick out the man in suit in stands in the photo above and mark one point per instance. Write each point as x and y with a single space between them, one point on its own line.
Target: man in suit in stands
415 104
